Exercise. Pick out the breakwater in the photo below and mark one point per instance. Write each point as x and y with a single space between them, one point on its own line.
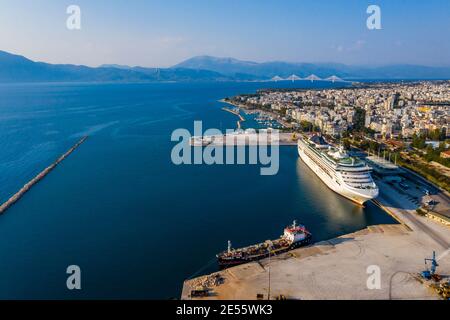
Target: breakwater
235 113
16 197
241 118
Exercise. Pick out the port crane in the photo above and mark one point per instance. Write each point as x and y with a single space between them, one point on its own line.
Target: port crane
429 273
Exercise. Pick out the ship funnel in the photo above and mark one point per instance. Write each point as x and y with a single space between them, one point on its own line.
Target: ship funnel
294 224
229 246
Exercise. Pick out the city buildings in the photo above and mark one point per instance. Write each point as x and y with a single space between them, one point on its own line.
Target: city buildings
391 110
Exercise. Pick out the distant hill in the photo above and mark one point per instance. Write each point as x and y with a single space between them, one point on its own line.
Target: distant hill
16 68
268 70
116 66
227 66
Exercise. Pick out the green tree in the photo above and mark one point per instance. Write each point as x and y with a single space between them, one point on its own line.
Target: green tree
346 144
306 126
359 119
374 146
418 141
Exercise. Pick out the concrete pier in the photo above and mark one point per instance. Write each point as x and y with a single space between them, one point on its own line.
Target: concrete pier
341 268
235 113
16 197
246 139
241 118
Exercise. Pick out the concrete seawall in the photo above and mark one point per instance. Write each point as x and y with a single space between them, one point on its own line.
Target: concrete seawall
334 269
241 118
16 197
235 113
340 268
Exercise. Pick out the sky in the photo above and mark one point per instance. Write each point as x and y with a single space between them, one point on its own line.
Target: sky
161 33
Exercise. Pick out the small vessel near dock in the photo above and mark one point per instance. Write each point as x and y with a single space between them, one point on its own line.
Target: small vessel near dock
294 236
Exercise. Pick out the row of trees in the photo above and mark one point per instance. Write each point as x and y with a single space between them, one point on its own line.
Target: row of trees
419 141
359 120
431 154
427 172
437 135
435 155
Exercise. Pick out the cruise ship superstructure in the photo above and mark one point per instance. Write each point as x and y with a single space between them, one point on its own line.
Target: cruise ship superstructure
347 176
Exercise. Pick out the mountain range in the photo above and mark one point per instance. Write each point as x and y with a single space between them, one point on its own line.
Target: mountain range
16 68
266 70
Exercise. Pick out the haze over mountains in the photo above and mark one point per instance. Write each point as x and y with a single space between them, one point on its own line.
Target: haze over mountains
266 70
16 68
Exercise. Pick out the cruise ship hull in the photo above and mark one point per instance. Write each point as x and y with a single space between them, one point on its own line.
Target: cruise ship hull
354 195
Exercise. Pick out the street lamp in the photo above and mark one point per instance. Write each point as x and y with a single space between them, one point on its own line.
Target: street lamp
268 266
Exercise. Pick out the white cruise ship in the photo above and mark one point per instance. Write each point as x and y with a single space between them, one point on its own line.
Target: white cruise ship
348 176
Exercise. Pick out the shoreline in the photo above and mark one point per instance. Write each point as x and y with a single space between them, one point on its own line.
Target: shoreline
275 116
318 276
389 212
337 268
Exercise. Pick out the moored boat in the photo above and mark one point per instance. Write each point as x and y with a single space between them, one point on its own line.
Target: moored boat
294 236
345 175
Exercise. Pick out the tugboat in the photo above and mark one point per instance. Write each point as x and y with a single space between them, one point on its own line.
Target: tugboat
294 236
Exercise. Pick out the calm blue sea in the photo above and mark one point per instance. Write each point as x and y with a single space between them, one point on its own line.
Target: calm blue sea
136 224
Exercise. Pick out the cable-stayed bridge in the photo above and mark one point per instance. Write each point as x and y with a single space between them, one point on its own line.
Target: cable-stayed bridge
293 77
311 78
